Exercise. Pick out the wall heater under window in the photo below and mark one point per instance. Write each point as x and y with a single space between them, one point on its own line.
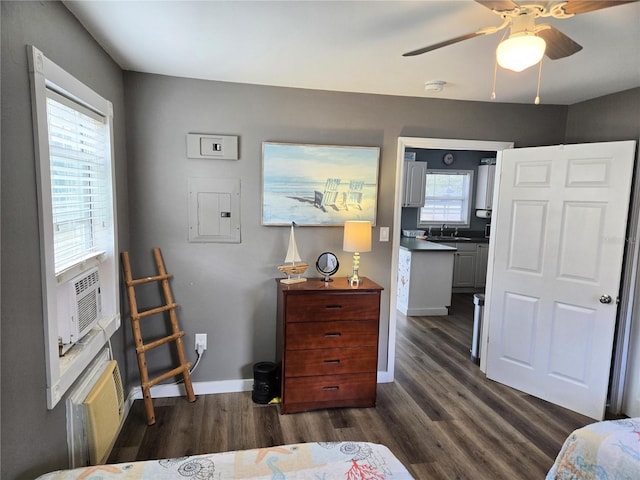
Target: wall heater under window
95 413
84 308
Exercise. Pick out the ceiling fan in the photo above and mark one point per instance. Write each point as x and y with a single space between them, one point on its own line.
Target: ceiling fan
527 42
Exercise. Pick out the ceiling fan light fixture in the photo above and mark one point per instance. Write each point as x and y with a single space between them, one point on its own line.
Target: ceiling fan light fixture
520 52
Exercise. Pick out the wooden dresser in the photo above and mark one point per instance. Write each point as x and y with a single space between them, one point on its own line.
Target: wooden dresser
327 344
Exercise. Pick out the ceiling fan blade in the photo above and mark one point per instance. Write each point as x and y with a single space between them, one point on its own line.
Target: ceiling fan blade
585 6
498 5
558 44
435 46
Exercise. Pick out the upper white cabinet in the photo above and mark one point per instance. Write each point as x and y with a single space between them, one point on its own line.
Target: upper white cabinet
415 179
484 187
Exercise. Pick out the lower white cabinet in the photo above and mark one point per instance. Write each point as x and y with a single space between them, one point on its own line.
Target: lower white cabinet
470 265
482 259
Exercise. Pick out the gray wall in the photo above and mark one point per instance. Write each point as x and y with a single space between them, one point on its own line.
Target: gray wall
605 119
227 290
34 438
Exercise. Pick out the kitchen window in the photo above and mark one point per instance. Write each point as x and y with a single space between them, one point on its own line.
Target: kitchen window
447 198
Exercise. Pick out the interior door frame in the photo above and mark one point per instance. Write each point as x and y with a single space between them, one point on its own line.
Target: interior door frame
630 285
427 143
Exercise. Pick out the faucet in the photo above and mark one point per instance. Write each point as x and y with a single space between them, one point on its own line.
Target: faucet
442 229
429 232
455 234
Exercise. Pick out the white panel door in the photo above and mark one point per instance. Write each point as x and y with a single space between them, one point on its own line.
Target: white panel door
558 241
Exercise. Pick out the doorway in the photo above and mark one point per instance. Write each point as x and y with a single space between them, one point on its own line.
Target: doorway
423 143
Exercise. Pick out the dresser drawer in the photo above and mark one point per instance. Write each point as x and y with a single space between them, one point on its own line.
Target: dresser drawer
331 388
332 306
331 361
305 336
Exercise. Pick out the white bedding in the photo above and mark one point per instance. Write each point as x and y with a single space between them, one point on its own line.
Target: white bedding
324 461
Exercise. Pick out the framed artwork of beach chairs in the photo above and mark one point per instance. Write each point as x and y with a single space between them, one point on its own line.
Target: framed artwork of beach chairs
318 185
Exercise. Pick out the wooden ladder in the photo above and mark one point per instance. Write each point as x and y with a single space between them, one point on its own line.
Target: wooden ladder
176 334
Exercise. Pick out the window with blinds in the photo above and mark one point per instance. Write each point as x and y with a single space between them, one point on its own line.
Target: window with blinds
447 198
80 187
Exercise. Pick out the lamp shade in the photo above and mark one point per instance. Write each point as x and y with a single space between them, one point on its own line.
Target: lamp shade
520 52
357 236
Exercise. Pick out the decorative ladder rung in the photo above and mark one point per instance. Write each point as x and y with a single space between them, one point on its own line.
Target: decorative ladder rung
154 311
161 341
176 333
141 281
169 374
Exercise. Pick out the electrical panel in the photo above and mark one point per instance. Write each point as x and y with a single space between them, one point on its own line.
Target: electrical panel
214 210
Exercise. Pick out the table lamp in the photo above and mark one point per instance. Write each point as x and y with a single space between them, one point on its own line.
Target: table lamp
357 238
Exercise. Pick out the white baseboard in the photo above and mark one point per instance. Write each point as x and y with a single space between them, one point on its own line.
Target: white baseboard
206 388
199 388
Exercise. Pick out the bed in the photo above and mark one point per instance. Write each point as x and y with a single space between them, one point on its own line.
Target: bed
333 460
604 451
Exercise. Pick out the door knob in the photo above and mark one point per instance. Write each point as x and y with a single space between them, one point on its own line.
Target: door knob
605 299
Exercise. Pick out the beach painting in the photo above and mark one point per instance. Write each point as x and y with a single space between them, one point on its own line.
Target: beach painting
317 185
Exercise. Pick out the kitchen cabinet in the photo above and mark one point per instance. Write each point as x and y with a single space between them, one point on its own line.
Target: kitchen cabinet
327 344
425 273
482 259
470 265
464 265
484 187
414 184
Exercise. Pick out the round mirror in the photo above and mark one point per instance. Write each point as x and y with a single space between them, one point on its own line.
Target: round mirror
327 264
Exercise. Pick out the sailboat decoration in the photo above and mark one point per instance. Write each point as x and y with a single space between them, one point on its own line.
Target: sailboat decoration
293 265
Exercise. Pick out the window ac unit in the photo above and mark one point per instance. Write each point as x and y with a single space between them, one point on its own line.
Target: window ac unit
84 308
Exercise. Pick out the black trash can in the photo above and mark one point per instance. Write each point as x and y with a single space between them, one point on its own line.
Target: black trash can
266 382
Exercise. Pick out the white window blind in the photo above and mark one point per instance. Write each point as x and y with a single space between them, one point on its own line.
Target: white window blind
80 188
447 198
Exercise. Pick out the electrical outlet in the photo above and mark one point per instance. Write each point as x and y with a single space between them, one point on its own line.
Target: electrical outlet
201 342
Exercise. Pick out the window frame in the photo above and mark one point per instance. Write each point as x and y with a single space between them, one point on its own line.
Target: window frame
61 372
467 205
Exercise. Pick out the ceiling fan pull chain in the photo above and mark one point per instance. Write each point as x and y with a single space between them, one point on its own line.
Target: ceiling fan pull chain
495 69
495 75
537 100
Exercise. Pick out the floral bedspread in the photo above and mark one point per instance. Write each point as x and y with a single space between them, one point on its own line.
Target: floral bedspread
323 461
601 451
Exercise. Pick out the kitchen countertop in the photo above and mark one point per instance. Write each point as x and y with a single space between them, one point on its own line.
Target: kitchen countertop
419 245
436 243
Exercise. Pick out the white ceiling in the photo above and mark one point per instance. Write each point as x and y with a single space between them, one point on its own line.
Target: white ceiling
357 46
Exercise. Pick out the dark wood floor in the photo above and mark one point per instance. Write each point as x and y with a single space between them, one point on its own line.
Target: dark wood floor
441 417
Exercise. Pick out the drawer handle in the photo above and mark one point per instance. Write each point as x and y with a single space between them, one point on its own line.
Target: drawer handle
333 307
332 362
334 387
332 334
